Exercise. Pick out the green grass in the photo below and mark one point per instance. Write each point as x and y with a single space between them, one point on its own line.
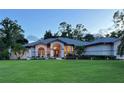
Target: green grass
57 71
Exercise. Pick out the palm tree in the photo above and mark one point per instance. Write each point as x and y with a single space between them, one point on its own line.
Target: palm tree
19 50
119 25
121 47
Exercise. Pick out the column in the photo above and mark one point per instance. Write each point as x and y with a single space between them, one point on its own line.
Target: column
46 51
30 55
62 53
36 52
51 52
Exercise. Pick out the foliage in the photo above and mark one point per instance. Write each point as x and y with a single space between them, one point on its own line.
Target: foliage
79 50
118 19
66 30
19 50
48 34
121 47
89 37
4 54
11 34
115 34
79 32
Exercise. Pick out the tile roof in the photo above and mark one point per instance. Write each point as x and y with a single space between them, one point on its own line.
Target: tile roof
72 41
102 40
64 40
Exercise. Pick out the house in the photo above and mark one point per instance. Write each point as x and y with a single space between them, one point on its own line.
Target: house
53 47
60 47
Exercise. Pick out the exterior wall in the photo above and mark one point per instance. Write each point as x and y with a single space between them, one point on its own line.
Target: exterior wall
100 50
31 52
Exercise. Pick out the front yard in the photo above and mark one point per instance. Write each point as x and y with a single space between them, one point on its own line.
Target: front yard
57 71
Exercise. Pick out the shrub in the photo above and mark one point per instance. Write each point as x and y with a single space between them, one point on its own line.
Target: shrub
4 54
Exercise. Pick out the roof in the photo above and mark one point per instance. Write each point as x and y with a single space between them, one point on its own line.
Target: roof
73 41
61 39
102 41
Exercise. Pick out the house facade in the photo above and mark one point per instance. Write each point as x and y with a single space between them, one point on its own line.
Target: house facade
53 47
60 47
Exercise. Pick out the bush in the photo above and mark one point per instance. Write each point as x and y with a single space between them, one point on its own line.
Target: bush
72 56
97 57
4 54
37 58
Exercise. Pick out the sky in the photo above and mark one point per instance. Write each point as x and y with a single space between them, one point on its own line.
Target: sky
36 22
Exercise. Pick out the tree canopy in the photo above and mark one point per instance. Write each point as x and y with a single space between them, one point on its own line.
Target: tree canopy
68 31
11 33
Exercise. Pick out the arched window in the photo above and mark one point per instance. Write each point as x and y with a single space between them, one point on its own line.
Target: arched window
41 52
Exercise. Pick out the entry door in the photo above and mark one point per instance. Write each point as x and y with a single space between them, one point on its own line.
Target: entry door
56 53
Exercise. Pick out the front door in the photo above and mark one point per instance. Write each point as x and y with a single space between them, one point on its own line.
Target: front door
56 53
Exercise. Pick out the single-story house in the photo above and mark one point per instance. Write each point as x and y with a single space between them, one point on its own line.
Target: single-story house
60 47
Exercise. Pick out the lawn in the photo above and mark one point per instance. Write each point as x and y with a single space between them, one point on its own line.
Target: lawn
57 71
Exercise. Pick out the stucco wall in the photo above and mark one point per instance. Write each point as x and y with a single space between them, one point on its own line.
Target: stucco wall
101 49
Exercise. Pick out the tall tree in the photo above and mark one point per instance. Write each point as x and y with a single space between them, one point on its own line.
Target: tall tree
118 19
65 30
12 34
11 30
115 34
78 32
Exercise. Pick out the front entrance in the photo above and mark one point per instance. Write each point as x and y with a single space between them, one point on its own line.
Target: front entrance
56 53
57 50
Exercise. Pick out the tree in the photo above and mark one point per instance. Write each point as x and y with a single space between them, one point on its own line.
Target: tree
21 40
65 30
48 34
79 32
79 50
89 37
11 30
19 50
12 34
115 34
118 19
